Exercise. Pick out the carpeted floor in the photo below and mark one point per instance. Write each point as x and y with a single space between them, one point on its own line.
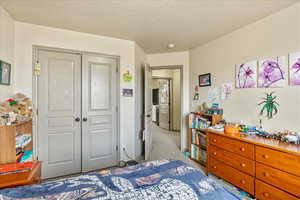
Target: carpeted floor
166 145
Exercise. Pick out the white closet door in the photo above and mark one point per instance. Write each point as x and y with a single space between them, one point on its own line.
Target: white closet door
99 126
59 127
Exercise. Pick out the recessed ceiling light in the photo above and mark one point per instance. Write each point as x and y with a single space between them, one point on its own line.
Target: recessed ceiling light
171 46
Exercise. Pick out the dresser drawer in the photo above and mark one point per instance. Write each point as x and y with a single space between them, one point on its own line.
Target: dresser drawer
280 160
264 191
280 179
235 177
232 159
235 146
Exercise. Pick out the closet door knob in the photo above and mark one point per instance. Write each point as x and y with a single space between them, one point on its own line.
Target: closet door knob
77 119
84 119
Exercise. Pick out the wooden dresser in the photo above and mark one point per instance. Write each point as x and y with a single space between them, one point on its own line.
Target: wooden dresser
267 169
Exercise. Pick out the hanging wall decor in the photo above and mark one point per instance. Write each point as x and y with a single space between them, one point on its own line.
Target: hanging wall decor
5 71
226 91
271 72
127 76
213 96
269 105
246 75
294 66
127 92
196 94
205 80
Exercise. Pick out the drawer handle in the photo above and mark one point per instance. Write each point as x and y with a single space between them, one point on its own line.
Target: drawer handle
215 167
266 194
242 149
215 140
266 174
215 153
243 181
265 156
243 164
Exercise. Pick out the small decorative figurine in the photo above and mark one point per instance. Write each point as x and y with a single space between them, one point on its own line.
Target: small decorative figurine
269 105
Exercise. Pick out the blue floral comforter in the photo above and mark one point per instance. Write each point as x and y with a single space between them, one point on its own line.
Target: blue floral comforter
162 180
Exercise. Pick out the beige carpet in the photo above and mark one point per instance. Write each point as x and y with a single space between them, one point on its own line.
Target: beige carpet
166 145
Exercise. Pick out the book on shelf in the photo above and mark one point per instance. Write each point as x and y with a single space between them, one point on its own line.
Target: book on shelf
198 153
198 138
198 122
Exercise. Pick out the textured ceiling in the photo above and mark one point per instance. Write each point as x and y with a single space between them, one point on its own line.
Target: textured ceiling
152 23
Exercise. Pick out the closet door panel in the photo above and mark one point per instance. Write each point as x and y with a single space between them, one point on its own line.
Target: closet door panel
99 126
59 105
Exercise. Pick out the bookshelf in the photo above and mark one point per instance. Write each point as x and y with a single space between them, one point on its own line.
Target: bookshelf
198 123
16 140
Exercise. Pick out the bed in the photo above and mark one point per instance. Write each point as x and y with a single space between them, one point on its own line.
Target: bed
161 180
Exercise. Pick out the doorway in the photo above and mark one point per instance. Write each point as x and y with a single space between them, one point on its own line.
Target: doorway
76 99
165 88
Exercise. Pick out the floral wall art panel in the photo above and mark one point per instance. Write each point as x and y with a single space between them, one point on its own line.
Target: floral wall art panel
271 72
246 75
294 68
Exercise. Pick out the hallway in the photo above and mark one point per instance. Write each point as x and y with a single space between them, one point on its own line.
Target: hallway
166 145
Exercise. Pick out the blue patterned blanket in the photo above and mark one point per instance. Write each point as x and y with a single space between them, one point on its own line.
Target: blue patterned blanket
162 180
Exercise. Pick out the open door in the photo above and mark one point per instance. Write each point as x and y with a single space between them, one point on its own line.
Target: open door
148 111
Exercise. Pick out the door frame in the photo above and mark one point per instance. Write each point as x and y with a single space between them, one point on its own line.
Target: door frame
171 110
182 120
35 100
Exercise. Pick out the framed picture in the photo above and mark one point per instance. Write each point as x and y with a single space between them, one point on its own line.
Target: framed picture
5 70
204 80
127 92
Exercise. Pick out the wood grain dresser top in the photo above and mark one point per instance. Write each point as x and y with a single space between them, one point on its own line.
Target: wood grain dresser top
262 141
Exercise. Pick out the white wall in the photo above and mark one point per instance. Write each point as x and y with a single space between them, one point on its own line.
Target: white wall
140 60
176 96
27 35
163 73
276 35
7 48
171 59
